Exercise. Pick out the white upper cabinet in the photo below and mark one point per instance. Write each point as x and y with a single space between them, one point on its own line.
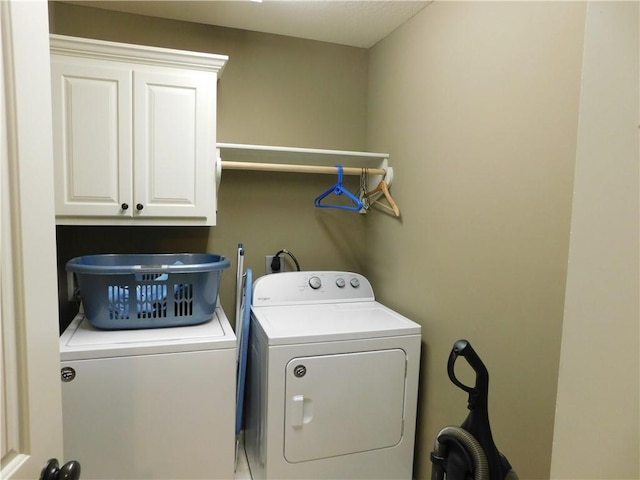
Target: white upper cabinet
134 133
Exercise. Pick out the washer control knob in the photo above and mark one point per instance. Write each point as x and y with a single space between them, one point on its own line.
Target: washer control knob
340 282
315 282
355 283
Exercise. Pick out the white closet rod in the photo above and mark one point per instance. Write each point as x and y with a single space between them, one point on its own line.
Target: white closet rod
290 168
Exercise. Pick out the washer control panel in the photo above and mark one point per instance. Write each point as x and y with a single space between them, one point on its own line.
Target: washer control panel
295 288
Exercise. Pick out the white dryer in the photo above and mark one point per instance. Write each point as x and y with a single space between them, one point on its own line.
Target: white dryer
333 380
150 404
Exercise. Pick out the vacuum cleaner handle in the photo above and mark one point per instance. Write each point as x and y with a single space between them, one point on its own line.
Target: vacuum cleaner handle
477 422
479 393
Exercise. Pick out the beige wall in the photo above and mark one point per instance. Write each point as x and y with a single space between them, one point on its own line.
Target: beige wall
477 103
597 422
274 90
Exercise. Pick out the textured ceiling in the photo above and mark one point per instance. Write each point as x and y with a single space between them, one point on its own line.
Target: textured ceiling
359 23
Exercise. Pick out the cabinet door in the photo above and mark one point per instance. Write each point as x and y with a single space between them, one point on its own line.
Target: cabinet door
92 137
174 124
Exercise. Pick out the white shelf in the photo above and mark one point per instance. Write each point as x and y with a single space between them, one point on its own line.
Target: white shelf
304 156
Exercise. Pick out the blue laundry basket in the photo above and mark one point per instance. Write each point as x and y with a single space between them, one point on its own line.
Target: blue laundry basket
131 291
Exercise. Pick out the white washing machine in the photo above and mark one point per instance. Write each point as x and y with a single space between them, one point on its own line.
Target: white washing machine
333 380
150 404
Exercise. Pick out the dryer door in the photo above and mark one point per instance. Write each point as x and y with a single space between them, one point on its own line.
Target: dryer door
344 403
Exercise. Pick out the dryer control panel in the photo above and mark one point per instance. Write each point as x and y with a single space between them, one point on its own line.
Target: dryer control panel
299 288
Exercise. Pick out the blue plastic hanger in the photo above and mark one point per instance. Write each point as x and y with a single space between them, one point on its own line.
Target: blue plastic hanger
338 189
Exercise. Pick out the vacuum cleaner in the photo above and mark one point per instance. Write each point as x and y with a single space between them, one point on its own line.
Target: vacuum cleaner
468 452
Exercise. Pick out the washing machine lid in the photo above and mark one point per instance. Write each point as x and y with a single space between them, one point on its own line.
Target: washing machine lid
83 341
294 324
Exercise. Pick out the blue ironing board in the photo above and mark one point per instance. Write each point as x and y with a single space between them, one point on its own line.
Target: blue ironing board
242 333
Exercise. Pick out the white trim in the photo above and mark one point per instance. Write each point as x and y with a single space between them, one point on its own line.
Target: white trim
104 50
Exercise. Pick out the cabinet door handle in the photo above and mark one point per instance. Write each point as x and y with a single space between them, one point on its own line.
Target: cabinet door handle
139 206
124 206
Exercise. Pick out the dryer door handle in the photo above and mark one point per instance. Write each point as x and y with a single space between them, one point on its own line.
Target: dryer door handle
297 411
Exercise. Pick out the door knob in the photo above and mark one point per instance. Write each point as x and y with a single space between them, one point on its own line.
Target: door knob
53 471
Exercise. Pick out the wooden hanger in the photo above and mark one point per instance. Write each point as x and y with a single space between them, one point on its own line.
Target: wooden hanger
384 188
